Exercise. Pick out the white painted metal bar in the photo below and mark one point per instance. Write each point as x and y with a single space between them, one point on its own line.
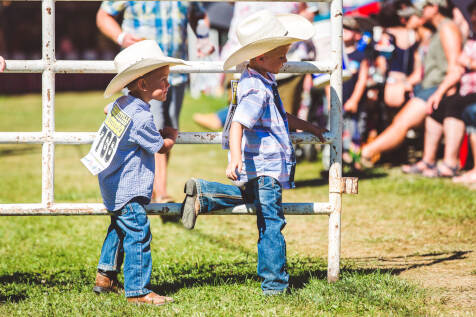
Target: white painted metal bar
101 67
178 0
48 100
183 138
48 137
152 209
335 171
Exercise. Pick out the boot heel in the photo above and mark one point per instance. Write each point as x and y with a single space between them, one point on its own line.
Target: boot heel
190 188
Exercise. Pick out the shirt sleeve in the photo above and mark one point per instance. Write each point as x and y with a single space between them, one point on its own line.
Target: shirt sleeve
147 136
250 107
113 7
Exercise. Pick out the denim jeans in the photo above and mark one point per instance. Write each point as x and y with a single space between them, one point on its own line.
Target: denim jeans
266 194
128 238
469 118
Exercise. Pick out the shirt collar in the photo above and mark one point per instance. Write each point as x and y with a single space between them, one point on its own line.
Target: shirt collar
139 102
255 73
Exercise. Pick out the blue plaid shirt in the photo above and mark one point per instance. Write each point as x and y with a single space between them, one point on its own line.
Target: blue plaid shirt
131 172
266 147
163 21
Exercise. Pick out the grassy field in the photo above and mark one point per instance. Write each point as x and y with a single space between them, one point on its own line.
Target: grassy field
407 242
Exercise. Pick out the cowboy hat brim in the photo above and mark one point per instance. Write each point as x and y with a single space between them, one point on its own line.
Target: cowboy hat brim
298 29
137 70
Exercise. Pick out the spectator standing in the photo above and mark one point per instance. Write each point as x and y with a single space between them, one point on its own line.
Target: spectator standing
165 22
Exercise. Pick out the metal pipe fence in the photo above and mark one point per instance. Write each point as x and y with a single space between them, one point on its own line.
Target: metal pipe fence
48 137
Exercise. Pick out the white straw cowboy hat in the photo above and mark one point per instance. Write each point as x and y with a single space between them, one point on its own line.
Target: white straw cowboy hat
263 31
135 61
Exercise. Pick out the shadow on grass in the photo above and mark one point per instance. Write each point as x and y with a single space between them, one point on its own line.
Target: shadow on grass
15 150
15 287
324 179
399 264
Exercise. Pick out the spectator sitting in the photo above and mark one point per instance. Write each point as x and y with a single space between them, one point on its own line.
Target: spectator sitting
400 58
441 74
447 118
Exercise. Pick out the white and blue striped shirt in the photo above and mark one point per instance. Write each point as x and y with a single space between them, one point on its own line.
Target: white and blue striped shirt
266 147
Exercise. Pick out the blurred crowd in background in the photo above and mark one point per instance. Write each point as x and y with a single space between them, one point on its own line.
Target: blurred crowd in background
409 74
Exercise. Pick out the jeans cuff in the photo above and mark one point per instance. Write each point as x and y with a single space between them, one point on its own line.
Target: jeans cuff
270 292
106 267
199 195
138 293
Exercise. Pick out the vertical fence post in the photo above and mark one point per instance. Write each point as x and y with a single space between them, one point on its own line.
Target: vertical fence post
335 170
48 101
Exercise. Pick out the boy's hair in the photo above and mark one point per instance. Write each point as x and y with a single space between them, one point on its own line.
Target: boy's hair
133 84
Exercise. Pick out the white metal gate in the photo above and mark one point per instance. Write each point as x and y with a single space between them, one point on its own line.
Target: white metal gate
48 137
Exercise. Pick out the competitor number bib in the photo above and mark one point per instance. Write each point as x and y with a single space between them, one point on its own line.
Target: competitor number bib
107 140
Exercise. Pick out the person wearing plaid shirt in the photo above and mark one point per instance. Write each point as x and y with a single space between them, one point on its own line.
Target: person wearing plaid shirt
261 157
165 22
447 119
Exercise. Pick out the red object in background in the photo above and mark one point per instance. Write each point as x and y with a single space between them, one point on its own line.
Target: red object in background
463 152
366 10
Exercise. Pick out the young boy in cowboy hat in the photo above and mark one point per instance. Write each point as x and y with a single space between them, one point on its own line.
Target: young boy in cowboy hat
261 158
122 155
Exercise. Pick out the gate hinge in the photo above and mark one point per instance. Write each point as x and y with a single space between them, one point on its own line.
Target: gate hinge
344 185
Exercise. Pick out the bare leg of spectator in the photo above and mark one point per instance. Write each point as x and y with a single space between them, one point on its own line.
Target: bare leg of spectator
454 134
433 134
411 115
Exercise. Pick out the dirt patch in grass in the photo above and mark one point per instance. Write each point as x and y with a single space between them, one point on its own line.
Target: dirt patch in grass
438 255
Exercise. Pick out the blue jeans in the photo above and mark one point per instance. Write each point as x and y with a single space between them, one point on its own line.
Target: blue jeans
266 194
469 118
128 238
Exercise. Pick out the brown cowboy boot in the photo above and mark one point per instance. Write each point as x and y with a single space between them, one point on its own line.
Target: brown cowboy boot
151 298
105 284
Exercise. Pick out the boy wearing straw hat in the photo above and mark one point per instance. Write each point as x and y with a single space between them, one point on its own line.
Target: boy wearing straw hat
122 155
261 158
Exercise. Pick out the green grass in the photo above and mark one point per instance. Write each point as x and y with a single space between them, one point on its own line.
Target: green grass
47 265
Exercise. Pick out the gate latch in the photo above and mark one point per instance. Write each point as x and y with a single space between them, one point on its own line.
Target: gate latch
344 185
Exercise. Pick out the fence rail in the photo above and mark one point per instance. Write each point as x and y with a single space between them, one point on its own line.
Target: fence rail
101 67
48 66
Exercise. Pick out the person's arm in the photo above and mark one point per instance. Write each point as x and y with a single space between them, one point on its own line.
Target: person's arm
352 103
298 124
109 27
170 135
451 41
415 77
235 165
2 64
